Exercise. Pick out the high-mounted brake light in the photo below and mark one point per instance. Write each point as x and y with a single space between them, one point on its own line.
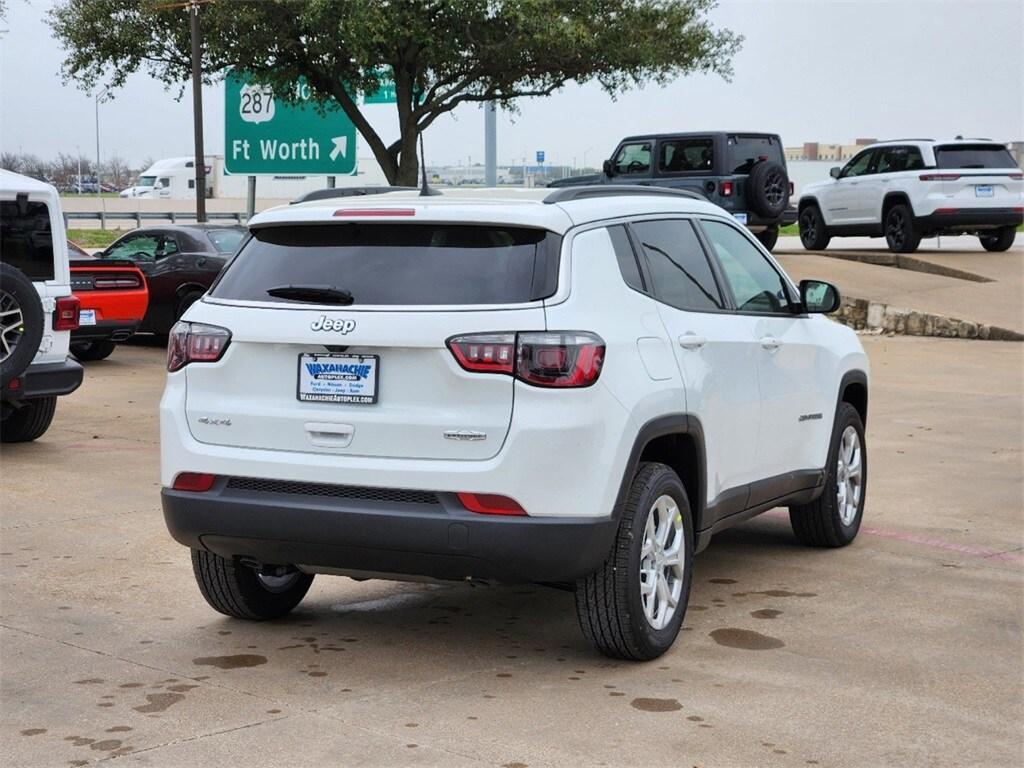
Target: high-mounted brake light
939 176
195 343
726 188
385 212
194 481
553 359
65 313
490 504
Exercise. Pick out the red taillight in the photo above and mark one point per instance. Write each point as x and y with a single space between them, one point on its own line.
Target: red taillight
65 314
557 359
490 504
121 281
1017 176
726 188
348 212
194 481
14 384
939 176
195 343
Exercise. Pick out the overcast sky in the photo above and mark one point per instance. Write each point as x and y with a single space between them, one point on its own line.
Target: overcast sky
818 70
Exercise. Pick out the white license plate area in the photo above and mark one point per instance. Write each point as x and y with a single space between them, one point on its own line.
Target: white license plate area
87 317
984 190
336 378
740 217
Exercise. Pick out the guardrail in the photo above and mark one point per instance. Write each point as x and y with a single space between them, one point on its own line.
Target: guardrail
139 216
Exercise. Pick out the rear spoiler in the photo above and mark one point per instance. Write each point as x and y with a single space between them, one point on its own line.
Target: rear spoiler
90 263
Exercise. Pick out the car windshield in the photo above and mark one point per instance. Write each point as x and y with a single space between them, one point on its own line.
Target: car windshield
973 156
226 240
413 264
147 181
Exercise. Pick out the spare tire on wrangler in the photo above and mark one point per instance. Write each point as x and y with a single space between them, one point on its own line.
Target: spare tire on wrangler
21 323
768 189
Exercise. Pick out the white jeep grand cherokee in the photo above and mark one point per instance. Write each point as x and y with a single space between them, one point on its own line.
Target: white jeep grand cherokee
910 189
573 387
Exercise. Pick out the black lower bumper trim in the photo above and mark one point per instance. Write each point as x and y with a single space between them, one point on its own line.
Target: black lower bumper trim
969 219
106 330
45 380
440 541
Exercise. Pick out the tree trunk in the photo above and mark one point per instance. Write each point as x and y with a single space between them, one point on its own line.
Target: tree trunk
408 161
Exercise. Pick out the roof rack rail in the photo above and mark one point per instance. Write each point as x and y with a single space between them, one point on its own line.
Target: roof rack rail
332 192
889 141
585 191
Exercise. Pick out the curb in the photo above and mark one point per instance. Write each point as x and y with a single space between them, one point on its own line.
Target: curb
864 315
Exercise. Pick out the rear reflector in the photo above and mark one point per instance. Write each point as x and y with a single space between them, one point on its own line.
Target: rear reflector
939 176
349 212
946 210
490 504
194 481
65 315
14 384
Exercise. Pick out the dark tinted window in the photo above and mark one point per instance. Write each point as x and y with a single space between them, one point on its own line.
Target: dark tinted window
679 269
974 156
755 284
226 240
744 151
26 241
896 159
626 257
686 156
398 264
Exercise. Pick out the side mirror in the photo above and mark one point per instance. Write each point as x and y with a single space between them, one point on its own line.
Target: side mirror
835 171
606 166
819 297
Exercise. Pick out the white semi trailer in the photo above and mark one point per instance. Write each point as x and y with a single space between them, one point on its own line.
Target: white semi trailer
174 178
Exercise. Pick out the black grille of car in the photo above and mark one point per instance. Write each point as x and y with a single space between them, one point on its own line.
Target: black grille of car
389 495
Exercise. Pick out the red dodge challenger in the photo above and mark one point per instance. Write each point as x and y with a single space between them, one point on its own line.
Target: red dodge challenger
114 298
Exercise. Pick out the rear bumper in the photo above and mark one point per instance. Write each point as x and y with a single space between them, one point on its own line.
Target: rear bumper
971 218
45 380
106 330
439 540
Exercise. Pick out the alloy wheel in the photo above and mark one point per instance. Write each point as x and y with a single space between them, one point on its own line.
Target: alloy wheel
895 228
12 325
662 555
849 476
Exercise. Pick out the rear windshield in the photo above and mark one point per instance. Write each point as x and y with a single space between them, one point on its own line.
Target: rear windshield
226 240
398 264
26 241
974 156
743 151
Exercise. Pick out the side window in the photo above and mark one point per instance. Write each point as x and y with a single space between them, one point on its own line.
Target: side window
680 273
686 156
135 248
756 285
164 182
624 254
26 240
860 164
169 247
633 159
896 159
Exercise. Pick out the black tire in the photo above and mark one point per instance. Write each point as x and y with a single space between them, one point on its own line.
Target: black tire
28 420
236 590
998 240
186 301
92 350
20 341
767 189
813 233
768 237
820 524
901 232
608 602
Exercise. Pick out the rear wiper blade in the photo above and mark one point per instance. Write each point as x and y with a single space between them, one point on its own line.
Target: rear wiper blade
323 294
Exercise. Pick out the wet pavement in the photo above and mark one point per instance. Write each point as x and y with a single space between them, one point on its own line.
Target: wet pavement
903 649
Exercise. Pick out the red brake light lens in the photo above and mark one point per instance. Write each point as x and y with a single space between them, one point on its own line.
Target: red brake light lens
385 212
1017 176
726 189
939 176
194 481
195 343
490 504
65 314
556 359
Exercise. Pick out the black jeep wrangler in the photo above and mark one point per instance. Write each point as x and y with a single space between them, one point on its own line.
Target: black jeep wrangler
744 173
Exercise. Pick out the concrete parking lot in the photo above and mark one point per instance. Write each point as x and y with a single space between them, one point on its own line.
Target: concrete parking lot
902 649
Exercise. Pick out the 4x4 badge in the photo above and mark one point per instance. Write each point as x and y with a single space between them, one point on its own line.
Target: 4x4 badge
324 323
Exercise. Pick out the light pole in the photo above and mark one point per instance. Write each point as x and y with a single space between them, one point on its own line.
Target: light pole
78 187
97 98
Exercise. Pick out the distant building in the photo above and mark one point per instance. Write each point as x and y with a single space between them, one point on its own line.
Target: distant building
813 150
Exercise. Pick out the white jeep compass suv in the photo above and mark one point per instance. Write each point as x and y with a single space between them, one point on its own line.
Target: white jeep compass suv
575 387
914 188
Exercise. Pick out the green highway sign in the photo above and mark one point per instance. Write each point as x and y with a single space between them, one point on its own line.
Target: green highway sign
263 134
383 95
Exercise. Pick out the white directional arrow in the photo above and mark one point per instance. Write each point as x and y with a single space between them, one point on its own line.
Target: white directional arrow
340 146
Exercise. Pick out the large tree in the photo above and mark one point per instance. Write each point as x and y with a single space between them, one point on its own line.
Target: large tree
440 53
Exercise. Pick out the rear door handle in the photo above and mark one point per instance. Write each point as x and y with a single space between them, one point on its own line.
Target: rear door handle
770 343
690 340
201 262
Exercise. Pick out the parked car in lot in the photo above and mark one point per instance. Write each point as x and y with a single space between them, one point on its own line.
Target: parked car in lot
113 297
742 172
911 189
575 386
180 263
37 309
